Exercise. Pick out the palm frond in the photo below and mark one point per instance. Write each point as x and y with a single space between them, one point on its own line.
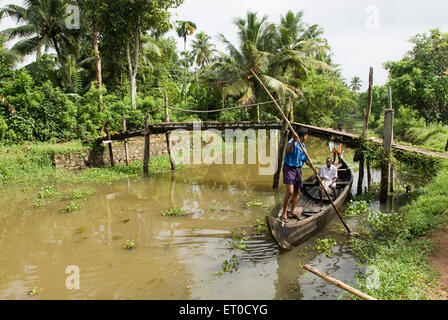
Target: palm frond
26 46
20 31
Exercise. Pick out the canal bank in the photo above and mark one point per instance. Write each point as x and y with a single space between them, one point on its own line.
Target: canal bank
406 248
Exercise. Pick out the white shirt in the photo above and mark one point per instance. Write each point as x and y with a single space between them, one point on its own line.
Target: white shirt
328 173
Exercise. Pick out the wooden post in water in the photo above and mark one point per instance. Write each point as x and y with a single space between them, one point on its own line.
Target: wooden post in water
167 135
368 110
111 153
366 113
146 147
360 173
387 142
126 150
369 174
281 147
281 151
392 179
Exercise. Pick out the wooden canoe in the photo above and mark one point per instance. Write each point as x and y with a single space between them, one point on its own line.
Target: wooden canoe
291 233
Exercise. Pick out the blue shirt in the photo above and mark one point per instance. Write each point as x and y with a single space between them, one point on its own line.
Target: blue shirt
296 158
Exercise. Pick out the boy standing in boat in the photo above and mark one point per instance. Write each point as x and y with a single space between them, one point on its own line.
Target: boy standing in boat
336 146
292 173
329 175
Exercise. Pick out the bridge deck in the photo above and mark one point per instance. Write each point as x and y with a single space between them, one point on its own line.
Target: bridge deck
348 139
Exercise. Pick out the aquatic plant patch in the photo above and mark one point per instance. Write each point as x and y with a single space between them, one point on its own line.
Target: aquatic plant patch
81 194
73 206
356 208
261 227
129 244
239 240
324 246
174 212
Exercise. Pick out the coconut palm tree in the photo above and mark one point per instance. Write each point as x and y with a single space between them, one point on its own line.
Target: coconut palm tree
203 50
301 46
43 26
257 49
355 84
184 29
149 50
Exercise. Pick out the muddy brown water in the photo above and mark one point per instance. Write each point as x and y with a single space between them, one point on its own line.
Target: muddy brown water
173 257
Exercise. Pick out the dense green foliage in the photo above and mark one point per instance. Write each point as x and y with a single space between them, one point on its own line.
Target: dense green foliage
418 79
113 67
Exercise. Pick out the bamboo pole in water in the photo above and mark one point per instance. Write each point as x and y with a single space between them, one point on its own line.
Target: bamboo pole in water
338 283
303 150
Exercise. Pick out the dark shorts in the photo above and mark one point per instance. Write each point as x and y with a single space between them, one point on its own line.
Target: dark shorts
292 175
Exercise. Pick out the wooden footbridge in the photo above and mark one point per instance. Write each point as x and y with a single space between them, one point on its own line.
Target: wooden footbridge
348 139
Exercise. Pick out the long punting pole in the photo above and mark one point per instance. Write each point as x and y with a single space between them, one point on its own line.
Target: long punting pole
303 150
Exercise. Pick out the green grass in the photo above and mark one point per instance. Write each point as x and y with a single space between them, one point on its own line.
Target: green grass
397 246
32 165
431 137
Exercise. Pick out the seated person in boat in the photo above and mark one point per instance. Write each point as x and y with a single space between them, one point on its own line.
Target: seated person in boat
292 173
329 175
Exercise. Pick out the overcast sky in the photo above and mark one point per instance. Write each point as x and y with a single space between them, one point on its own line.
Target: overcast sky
361 33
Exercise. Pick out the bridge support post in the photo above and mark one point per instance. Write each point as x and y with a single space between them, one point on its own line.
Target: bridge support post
360 173
387 142
167 135
392 179
281 151
126 150
369 174
146 147
111 153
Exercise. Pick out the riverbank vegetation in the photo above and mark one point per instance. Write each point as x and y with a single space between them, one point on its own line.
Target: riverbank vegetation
397 249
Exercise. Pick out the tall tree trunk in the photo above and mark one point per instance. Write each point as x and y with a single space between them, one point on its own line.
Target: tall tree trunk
39 52
133 66
96 53
185 73
63 65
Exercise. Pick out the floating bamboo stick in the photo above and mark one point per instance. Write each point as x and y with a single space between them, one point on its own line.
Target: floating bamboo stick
338 283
